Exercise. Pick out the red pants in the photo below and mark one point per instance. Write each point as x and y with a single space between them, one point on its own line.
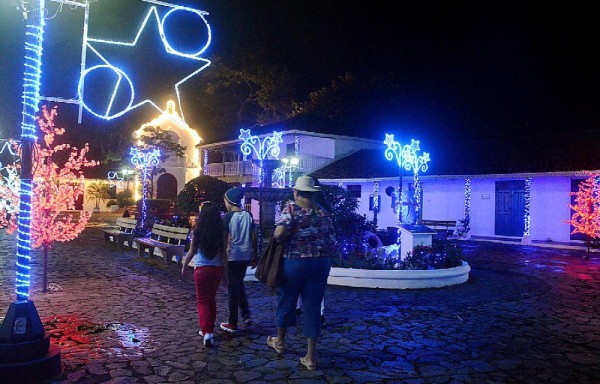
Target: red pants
207 281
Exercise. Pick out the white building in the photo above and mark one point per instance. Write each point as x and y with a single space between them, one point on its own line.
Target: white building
512 181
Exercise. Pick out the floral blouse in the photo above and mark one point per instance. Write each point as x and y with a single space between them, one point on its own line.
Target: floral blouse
311 232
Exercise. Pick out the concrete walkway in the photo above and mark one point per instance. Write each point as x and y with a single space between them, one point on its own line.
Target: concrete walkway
527 315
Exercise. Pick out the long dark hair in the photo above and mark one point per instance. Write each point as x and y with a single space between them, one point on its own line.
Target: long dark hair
209 235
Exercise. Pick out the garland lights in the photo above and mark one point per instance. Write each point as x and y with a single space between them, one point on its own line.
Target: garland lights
296 156
121 76
144 161
467 220
205 163
375 200
416 163
527 216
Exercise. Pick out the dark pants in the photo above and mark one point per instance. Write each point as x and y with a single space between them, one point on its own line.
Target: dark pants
236 291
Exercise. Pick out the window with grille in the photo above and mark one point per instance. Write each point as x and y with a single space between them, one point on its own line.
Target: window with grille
354 190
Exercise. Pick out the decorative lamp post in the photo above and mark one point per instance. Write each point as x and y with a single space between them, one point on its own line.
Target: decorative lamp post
263 150
416 163
393 151
144 161
25 350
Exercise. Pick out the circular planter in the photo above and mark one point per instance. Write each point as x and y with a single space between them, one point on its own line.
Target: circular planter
399 279
393 279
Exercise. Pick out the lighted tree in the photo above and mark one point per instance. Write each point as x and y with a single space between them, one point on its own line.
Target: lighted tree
9 196
57 184
586 216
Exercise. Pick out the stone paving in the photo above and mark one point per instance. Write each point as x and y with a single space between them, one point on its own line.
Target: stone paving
527 315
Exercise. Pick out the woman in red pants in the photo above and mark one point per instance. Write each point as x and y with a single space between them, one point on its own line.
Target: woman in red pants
208 257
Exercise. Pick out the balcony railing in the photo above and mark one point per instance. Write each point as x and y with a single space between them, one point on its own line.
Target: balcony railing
306 164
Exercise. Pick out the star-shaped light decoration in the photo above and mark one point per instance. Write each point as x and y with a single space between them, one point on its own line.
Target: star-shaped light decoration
122 97
268 147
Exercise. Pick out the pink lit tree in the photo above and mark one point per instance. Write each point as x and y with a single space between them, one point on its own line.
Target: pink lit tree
56 187
586 216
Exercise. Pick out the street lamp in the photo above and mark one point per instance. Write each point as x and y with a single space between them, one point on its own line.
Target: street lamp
289 165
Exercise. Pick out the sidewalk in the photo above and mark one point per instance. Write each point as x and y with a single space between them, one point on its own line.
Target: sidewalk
527 315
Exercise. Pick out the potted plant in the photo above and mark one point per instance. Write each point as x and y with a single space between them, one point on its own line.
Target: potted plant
112 205
99 192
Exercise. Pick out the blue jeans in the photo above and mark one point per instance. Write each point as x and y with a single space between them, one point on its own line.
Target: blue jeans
307 278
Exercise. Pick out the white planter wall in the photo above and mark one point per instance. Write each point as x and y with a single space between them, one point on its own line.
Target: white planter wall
392 279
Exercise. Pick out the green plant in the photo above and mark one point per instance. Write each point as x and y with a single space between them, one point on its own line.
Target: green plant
442 254
98 191
110 202
124 198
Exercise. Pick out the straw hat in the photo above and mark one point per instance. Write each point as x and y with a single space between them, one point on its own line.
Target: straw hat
306 183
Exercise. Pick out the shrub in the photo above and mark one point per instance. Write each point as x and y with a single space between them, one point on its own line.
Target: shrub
441 255
110 202
124 198
202 188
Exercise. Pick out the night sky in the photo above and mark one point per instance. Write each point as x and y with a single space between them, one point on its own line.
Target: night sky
471 68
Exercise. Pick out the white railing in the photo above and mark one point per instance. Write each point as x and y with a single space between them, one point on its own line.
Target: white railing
232 168
307 164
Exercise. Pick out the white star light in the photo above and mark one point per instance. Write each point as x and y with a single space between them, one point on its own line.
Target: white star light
109 114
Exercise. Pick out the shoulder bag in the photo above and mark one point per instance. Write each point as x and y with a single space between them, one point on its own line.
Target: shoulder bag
268 270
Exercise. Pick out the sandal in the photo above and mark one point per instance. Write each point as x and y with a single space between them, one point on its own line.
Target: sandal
311 366
271 343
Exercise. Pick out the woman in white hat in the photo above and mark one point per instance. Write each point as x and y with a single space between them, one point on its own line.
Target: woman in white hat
309 234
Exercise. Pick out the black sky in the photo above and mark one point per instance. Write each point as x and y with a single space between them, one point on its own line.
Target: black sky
467 67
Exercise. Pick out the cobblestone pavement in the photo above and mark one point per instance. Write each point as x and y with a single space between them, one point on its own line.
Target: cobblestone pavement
526 315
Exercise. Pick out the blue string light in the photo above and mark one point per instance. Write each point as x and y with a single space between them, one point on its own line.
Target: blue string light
144 161
34 37
121 76
527 216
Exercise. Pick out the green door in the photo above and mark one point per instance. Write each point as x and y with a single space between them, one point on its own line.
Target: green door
510 208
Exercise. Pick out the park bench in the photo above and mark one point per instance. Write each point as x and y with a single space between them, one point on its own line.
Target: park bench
170 241
444 228
121 232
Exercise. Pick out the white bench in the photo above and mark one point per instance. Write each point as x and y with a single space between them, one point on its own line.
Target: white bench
170 241
442 227
121 232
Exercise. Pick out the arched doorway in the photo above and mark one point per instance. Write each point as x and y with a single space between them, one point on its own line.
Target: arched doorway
166 187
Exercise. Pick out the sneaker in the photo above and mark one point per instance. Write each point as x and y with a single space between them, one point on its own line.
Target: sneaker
200 333
208 340
229 328
247 322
